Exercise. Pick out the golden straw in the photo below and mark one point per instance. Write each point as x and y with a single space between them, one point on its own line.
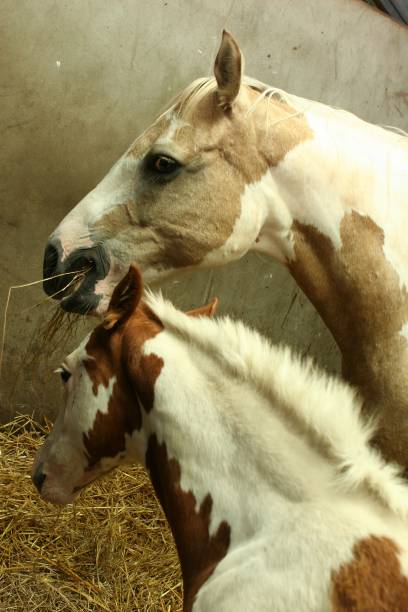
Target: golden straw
50 297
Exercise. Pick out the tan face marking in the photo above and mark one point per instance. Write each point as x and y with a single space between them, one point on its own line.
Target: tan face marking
372 580
358 294
198 552
178 223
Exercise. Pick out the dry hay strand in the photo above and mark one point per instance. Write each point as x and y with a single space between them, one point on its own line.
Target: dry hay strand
76 277
111 551
62 326
52 336
50 341
59 328
54 333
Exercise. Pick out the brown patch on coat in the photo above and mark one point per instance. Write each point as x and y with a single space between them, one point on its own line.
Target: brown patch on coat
357 293
108 435
372 581
144 378
118 352
198 552
221 154
103 349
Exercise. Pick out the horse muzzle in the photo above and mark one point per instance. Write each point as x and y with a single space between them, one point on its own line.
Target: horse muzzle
72 280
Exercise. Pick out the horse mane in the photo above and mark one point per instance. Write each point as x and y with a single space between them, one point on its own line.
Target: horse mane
325 408
188 99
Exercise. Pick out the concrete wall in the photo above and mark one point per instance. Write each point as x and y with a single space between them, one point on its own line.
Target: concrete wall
80 79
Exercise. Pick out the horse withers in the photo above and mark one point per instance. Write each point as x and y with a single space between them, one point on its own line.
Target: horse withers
273 504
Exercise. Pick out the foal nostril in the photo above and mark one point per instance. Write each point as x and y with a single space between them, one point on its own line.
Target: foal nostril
38 478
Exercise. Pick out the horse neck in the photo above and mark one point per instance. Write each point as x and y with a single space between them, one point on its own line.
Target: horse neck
220 469
336 213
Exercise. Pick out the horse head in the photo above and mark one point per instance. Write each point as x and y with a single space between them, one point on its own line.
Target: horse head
180 197
108 385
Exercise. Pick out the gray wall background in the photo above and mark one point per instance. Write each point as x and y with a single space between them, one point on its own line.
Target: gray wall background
81 78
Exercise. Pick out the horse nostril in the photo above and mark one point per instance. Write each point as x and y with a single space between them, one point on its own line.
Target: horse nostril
50 260
38 478
50 267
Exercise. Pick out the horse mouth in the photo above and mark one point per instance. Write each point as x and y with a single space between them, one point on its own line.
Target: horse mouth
73 281
76 490
82 299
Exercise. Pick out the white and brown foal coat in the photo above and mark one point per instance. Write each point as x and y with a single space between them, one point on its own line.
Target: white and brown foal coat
235 165
273 503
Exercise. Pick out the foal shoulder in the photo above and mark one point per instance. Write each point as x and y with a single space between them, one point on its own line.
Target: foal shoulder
372 580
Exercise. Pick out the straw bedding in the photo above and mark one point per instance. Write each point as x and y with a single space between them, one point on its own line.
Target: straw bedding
111 551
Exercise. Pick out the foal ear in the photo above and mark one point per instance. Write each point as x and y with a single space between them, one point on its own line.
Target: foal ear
208 310
228 70
126 296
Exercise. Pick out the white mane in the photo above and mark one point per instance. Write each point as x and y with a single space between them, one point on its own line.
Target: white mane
323 406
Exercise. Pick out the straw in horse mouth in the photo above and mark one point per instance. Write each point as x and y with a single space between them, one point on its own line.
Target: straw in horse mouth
77 280
74 283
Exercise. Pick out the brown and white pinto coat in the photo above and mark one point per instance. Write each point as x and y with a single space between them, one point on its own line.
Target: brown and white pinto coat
234 165
273 506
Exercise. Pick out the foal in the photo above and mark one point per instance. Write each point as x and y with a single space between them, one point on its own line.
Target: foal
262 464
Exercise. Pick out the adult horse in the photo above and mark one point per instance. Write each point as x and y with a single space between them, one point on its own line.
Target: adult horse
234 165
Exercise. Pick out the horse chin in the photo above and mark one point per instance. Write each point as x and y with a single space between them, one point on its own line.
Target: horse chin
82 301
92 296
58 496
86 296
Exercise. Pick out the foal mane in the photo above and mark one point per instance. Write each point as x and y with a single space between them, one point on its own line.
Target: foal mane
325 408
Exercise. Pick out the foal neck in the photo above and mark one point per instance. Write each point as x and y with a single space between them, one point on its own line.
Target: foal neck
218 482
199 552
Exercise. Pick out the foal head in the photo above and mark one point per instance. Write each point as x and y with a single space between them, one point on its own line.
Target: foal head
108 389
180 197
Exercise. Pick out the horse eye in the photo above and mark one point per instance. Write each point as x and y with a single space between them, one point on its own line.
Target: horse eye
163 164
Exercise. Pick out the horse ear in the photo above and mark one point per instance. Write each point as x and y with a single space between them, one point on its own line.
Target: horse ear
205 311
228 70
125 298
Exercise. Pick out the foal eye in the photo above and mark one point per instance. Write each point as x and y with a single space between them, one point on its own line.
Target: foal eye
64 373
162 164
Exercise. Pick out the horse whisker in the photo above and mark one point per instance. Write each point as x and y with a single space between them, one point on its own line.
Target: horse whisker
50 297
